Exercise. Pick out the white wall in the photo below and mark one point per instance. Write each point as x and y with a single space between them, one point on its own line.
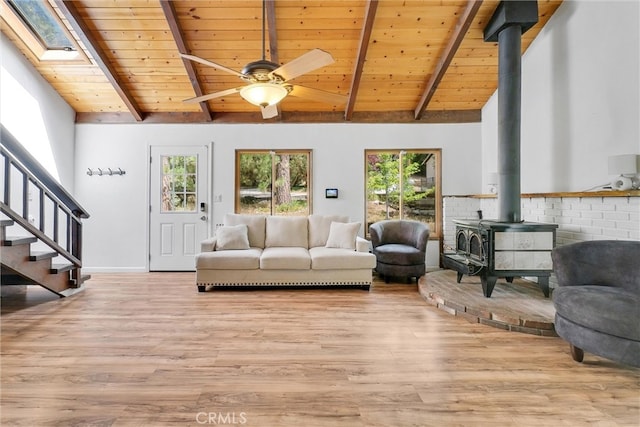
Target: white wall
36 115
580 98
581 103
116 237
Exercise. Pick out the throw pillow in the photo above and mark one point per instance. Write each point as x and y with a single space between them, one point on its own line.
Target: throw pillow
343 235
255 223
319 228
232 237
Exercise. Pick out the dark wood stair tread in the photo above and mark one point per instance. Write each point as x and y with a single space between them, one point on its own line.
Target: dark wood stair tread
19 240
60 268
38 255
6 222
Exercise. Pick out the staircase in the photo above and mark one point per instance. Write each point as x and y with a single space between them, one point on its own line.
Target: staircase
23 266
40 213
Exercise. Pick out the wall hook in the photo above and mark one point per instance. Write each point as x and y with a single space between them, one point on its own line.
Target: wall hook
107 171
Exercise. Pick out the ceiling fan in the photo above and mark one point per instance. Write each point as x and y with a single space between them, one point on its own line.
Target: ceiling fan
269 82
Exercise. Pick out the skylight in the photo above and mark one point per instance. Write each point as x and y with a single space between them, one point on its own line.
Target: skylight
40 28
42 22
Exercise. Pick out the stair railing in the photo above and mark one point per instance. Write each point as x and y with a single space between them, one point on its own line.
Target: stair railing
60 226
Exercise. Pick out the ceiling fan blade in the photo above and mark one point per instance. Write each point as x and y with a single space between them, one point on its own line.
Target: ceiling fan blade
309 61
209 96
318 95
211 64
269 111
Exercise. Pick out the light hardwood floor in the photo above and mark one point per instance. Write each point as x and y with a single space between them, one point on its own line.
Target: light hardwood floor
148 350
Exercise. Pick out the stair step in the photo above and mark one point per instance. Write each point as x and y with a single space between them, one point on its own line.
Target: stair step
20 240
6 222
60 268
39 256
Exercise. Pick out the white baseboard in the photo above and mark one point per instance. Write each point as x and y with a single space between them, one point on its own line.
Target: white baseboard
89 270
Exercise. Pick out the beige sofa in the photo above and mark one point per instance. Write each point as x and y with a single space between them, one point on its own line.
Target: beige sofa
259 250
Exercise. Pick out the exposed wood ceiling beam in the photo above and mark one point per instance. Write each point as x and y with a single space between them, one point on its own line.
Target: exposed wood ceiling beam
462 26
71 13
172 19
365 36
449 116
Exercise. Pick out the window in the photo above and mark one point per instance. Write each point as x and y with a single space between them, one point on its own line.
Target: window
273 182
40 28
404 184
179 183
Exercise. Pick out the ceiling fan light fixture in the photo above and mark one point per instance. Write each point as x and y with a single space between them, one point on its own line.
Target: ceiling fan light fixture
264 94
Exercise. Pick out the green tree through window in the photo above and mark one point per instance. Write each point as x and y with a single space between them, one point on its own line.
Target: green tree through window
273 182
403 184
179 183
43 24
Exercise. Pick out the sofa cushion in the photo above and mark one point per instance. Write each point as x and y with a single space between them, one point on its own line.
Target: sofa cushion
613 311
287 231
319 226
398 254
323 258
343 235
290 258
232 237
256 227
248 259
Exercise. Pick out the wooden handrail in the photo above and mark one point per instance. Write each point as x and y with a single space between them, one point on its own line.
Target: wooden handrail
41 174
40 235
51 194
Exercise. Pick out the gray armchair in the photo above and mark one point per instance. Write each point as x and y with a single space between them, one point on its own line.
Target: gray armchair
597 301
400 248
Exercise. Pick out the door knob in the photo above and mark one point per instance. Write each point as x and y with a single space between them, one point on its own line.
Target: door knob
203 218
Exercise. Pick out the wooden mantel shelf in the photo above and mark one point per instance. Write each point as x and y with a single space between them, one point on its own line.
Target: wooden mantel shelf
601 193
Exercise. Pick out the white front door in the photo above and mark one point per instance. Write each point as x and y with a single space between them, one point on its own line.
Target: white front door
178 214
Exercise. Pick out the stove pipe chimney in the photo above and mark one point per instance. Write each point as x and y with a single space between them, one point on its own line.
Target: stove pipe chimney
510 20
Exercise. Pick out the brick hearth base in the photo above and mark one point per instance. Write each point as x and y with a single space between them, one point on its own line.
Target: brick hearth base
519 306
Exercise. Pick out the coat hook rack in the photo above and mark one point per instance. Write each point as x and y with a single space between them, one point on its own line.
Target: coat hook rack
107 171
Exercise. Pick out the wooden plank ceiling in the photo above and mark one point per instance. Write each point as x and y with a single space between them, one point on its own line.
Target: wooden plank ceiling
395 60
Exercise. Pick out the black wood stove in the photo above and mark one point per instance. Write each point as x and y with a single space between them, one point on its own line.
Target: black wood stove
493 249
508 247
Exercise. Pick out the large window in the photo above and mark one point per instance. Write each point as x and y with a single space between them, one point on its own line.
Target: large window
38 26
404 184
273 182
